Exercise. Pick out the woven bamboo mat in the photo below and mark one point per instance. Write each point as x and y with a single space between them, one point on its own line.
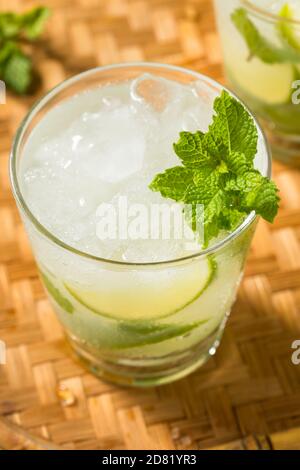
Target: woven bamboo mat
248 395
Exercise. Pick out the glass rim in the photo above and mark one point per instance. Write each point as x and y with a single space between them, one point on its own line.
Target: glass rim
39 104
263 13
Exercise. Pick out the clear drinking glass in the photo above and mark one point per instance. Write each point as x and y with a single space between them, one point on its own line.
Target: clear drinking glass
165 318
265 79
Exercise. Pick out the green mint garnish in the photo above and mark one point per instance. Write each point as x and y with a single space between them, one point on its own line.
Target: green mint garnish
218 171
261 47
16 67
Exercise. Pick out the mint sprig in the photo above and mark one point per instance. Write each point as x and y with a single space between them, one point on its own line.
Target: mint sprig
15 66
218 171
261 47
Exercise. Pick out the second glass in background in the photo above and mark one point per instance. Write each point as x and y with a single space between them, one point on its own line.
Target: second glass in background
261 46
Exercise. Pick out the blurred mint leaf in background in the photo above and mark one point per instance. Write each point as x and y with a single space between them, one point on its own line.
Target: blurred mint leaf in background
17 72
34 22
16 68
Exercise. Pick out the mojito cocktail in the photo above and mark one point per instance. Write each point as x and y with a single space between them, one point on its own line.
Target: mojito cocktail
147 308
261 46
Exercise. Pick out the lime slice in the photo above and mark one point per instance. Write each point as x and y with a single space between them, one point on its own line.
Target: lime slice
147 294
269 83
59 298
289 34
138 334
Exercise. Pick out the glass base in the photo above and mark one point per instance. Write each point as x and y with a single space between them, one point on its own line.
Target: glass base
146 371
285 147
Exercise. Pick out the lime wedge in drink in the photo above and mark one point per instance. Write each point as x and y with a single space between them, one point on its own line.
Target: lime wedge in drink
138 334
129 334
59 298
270 83
287 31
169 292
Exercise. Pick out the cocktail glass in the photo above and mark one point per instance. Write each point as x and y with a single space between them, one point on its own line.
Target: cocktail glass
137 324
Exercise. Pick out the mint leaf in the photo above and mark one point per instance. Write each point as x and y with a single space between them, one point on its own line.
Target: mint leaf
233 128
218 172
173 183
15 66
195 149
207 191
258 45
258 193
17 73
213 218
30 24
237 162
10 25
231 218
6 51
264 200
33 22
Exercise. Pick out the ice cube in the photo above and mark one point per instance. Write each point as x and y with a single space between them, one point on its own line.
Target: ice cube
113 147
152 90
191 119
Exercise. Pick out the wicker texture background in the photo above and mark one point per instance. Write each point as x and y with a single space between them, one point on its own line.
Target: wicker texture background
248 395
